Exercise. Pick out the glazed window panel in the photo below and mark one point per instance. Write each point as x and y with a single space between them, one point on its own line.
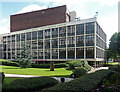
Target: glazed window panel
40 54
80 41
9 55
71 41
54 32
23 37
62 42
79 53
34 35
40 44
54 43
13 38
90 40
40 34
71 30
13 55
18 45
62 31
47 54
71 53
47 44
89 52
8 39
34 44
47 33
79 29
4 39
62 53
54 53
90 28
18 37
29 36
34 54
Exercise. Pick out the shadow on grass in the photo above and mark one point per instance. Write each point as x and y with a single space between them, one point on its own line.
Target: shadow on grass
68 76
10 68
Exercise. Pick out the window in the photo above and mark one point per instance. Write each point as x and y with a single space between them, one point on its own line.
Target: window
40 34
18 37
34 44
8 39
71 30
34 35
71 41
47 44
34 54
54 43
18 45
47 54
13 38
62 42
54 32
40 54
13 55
79 29
80 41
62 53
71 53
47 33
90 40
90 28
4 39
62 31
89 52
54 54
40 44
23 37
80 53
29 36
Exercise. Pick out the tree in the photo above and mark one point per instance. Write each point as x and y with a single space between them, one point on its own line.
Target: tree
114 45
51 66
24 56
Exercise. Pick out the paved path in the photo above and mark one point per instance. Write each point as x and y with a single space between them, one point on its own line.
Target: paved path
57 78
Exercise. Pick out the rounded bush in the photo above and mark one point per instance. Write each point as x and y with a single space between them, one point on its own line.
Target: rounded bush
78 72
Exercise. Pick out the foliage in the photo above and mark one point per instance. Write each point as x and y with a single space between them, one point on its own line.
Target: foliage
59 72
2 76
51 66
83 83
79 63
78 72
114 45
115 68
24 57
29 84
8 63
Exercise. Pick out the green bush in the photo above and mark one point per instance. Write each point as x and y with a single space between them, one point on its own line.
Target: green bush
81 84
115 68
78 72
8 63
79 63
29 84
2 76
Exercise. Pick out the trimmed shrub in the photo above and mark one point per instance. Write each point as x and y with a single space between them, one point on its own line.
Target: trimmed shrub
115 68
78 72
29 84
8 63
81 84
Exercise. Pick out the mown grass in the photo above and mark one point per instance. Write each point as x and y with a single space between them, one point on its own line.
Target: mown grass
114 63
58 72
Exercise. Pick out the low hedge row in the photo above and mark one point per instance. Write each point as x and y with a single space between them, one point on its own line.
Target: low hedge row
8 63
115 68
81 84
29 84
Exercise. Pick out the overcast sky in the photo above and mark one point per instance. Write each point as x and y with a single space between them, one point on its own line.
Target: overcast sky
107 11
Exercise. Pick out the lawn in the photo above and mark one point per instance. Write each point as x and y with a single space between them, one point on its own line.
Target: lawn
113 63
58 72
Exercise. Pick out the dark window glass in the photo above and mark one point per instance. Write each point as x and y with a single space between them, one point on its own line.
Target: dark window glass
18 37
29 36
54 43
79 29
40 34
47 54
71 30
8 39
13 38
80 41
13 55
90 40
71 41
54 54
40 54
34 54
62 42
34 35
34 44
47 33
54 32
62 31
90 28
62 53
80 53
47 44
23 37
4 39
18 45
40 44
89 52
9 55
71 53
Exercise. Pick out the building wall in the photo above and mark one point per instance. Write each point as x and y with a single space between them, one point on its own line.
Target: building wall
68 41
39 18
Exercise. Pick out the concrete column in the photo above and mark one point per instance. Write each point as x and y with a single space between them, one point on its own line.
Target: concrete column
75 41
84 41
66 44
58 43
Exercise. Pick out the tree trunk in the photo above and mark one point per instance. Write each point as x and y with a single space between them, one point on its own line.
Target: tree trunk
51 66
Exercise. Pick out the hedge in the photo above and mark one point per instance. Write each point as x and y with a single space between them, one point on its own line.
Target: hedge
29 84
115 68
81 84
